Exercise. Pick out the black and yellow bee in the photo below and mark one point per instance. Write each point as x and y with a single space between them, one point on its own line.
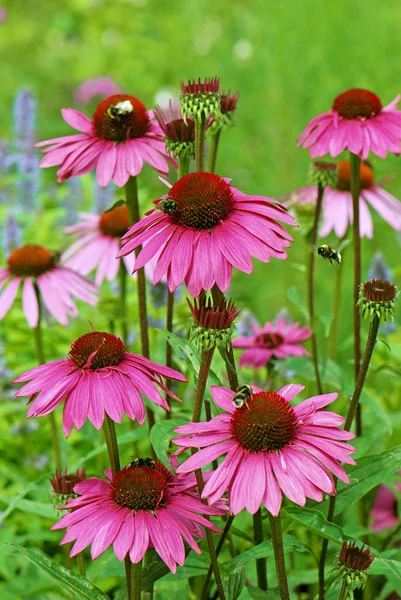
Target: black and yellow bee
142 462
241 395
328 253
119 110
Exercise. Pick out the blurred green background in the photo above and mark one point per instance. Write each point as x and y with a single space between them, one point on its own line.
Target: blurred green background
288 59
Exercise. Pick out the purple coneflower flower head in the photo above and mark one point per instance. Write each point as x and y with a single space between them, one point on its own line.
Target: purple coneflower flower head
179 135
99 376
337 202
384 511
63 485
201 99
204 227
228 105
32 265
95 87
352 565
119 138
273 340
358 122
269 448
140 507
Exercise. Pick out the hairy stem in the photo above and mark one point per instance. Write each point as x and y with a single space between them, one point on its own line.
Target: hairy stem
218 550
81 564
331 346
278 547
122 276
311 287
214 145
352 409
131 195
40 354
136 575
261 569
200 129
231 369
169 350
343 592
355 191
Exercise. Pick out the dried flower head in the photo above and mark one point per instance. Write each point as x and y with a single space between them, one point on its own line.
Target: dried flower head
323 173
377 297
352 565
201 99
212 325
63 485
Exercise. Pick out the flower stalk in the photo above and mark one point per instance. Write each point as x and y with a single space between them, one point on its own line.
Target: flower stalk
218 297
278 547
122 275
311 298
261 569
40 354
200 138
214 145
136 575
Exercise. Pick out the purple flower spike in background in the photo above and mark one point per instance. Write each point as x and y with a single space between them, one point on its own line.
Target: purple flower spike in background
32 265
270 448
119 138
25 157
99 376
139 508
358 122
272 341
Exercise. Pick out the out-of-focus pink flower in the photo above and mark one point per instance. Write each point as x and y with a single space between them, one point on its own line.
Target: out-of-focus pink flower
385 509
203 229
99 376
97 86
272 341
269 448
58 285
139 508
3 14
357 121
337 202
119 138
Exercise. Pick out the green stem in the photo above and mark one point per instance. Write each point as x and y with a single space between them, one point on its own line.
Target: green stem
344 591
81 564
331 346
183 166
352 409
200 130
136 575
214 145
278 547
231 369
355 191
169 350
122 275
110 437
218 550
131 195
311 297
261 569
40 354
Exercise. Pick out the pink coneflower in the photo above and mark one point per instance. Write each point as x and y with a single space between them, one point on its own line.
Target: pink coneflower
269 448
37 266
139 508
205 227
98 376
385 509
116 141
98 243
337 202
97 86
272 341
356 121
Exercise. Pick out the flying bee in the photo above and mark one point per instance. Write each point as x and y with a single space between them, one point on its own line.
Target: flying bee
120 109
167 206
142 462
241 395
329 253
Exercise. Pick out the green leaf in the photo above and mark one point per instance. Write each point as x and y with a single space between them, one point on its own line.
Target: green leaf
29 506
78 585
370 472
293 296
160 437
258 594
314 520
265 550
130 436
236 583
384 566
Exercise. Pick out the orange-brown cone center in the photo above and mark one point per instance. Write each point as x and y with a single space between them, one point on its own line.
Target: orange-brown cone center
32 260
115 222
121 117
96 350
357 104
139 487
344 175
202 200
269 340
265 423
